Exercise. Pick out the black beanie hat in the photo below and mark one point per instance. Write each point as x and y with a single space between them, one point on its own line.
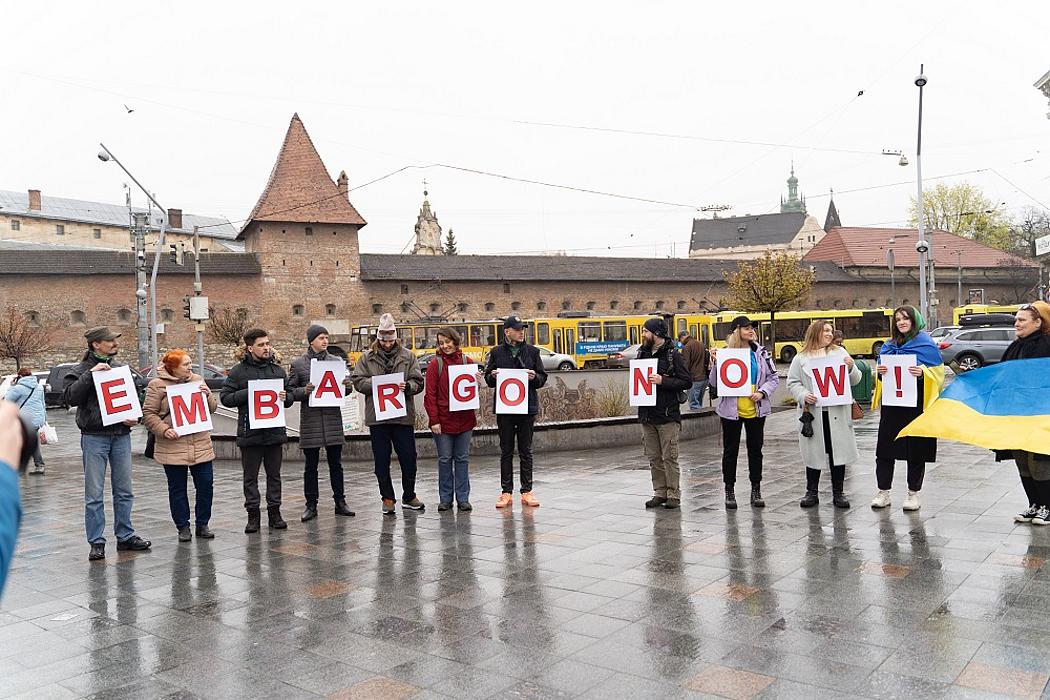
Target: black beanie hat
315 330
657 326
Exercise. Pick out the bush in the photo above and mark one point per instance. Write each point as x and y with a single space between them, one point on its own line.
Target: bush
611 400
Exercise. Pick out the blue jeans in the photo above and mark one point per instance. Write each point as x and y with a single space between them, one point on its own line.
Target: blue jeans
696 394
179 502
453 456
99 450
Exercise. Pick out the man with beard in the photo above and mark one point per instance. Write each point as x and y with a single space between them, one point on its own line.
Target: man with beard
662 423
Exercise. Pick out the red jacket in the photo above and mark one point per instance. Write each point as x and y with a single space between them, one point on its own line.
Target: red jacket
435 396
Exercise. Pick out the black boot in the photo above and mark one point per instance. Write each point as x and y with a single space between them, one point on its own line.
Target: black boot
730 497
838 478
812 480
342 509
756 496
204 533
309 513
273 514
253 521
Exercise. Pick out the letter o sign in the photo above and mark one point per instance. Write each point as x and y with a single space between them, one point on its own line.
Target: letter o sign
732 373
512 386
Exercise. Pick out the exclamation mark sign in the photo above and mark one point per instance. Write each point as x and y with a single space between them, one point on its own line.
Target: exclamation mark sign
898 373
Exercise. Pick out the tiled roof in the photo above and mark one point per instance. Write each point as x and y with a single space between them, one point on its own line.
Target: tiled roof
375 267
84 212
299 189
866 247
25 259
735 231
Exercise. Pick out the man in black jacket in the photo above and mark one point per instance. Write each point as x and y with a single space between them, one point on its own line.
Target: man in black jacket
259 446
102 444
662 423
515 353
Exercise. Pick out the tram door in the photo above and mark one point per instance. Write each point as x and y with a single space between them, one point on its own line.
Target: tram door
570 341
557 341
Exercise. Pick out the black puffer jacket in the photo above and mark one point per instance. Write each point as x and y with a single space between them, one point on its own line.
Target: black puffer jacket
235 395
671 366
500 357
80 392
320 426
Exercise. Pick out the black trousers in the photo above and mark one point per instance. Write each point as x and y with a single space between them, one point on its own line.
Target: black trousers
515 429
252 458
755 431
389 438
884 473
334 455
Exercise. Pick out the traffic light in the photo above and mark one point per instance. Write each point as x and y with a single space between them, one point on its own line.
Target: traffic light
186 306
178 253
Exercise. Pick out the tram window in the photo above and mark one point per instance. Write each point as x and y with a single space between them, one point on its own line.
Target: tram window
405 334
482 336
590 332
614 330
850 327
681 325
462 330
634 335
874 324
426 338
791 330
721 331
557 340
543 334
693 331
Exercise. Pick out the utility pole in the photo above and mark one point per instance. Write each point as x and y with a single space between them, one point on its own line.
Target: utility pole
139 222
929 296
200 313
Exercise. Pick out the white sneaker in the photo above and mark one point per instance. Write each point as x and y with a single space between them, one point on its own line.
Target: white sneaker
881 500
1026 515
912 501
1042 516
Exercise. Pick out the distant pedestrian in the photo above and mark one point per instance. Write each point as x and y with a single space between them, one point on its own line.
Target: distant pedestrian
909 338
28 394
698 363
320 426
833 442
746 413
515 353
662 423
387 356
259 446
180 454
452 429
102 445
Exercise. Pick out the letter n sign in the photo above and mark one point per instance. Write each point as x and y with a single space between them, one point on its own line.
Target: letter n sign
641 390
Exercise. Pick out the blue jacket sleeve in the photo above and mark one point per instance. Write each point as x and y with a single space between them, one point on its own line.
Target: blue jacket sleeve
10 517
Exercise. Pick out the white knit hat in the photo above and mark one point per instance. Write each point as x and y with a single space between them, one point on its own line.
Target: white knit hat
386 324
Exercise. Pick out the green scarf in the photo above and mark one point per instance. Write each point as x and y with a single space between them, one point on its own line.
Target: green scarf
917 327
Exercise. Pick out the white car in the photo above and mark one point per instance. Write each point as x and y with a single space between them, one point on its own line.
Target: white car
556 360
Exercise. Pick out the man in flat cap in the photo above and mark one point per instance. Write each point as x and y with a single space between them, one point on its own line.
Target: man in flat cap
102 444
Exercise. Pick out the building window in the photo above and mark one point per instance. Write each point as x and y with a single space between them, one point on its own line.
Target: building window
377 308
820 304
462 307
404 289
506 288
614 305
566 305
96 233
77 318
838 304
309 231
329 309
167 316
33 317
435 308
16 225
660 305
541 306
298 310
591 305
637 305
681 305
60 230
490 306
515 306
123 317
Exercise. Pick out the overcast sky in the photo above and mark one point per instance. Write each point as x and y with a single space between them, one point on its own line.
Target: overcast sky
381 86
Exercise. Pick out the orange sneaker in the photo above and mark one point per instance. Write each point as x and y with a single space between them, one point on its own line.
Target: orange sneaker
527 499
505 501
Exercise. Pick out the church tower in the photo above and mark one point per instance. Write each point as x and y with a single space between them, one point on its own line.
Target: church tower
428 231
793 203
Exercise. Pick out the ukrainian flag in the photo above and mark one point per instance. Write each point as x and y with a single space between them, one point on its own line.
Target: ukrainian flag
1000 407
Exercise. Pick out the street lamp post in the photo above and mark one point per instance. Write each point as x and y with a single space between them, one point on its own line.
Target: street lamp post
106 155
927 297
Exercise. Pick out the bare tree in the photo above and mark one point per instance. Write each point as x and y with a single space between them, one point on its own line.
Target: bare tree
228 325
1032 224
22 337
1018 279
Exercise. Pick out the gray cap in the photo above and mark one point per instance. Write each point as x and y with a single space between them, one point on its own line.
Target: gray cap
100 333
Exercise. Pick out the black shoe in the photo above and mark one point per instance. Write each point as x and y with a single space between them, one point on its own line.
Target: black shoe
839 499
413 504
655 502
98 551
273 515
810 499
253 521
204 533
442 507
756 497
465 506
309 513
672 504
184 534
730 498
342 509
134 544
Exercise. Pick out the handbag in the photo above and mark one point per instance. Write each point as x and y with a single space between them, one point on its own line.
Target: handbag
151 443
47 435
857 412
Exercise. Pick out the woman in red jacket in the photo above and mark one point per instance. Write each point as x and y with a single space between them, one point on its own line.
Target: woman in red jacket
452 429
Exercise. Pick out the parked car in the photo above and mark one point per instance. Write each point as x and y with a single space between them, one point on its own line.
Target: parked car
214 376
622 359
970 348
9 380
942 331
56 384
556 360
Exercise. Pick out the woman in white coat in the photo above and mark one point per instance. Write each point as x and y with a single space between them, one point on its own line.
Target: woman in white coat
833 441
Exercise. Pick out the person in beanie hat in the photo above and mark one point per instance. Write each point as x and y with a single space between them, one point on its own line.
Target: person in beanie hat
515 353
387 356
319 426
101 444
662 423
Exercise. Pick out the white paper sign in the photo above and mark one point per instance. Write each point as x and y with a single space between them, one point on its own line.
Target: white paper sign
118 399
640 389
512 391
830 378
188 409
327 377
463 394
733 367
265 408
387 398
899 388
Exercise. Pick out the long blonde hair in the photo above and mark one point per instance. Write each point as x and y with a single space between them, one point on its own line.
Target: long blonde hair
735 340
811 340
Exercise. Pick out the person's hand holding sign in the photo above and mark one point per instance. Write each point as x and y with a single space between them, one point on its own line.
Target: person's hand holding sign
657 379
915 371
811 399
170 434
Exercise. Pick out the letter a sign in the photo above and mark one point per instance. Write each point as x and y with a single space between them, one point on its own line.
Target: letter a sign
327 377
734 372
265 408
463 388
512 391
830 381
387 397
188 409
117 397
641 389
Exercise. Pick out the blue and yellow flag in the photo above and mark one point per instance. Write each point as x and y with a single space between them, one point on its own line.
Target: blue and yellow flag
1000 407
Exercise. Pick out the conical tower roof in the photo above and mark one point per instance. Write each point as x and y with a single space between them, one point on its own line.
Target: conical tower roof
832 219
299 189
